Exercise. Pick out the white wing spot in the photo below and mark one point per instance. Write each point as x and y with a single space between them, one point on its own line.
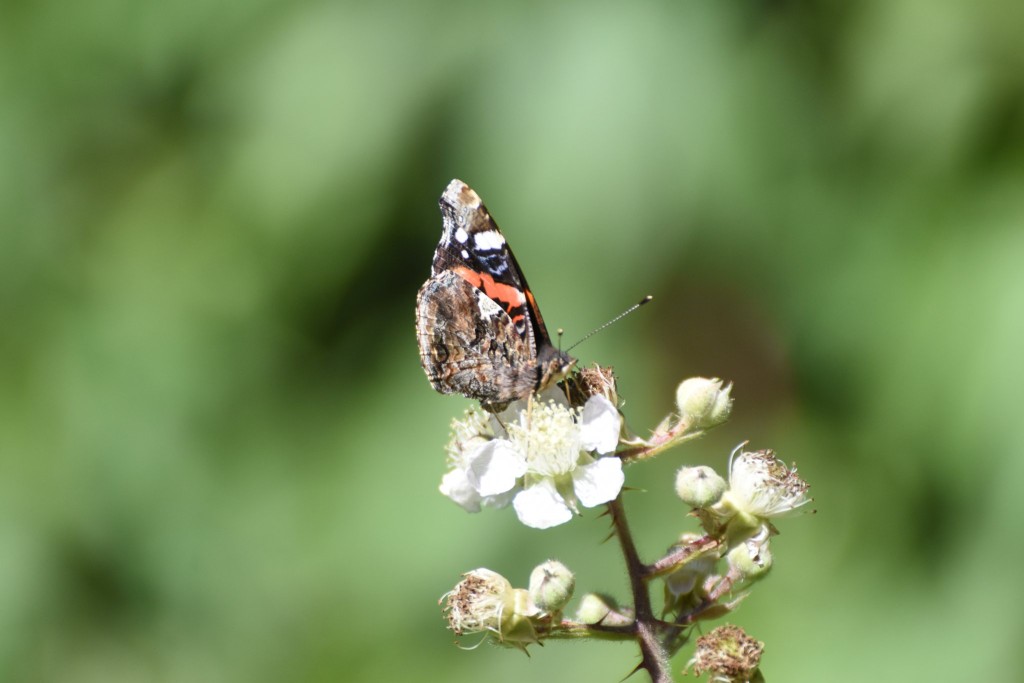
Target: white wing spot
489 240
461 235
465 254
488 308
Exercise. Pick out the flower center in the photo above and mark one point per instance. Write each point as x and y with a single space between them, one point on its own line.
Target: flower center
550 440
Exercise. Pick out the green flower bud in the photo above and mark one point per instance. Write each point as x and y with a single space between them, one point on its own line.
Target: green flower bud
602 609
593 609
703 403
699 486
551 586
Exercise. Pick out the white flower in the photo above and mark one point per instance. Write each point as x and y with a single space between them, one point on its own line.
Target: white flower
541 460
761 487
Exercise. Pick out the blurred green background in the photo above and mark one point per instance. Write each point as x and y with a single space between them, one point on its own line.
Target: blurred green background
220 455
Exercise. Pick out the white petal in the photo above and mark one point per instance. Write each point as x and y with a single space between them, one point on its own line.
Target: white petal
495 467
540 506
456 486
502 499
598 482
600 425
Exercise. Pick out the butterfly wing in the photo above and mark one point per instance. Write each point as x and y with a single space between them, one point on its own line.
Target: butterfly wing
473 246
469 346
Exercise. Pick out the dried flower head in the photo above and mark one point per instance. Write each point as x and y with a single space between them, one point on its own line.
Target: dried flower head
729 655
479 603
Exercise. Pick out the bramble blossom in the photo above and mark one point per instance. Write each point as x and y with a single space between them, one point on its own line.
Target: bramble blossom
547 460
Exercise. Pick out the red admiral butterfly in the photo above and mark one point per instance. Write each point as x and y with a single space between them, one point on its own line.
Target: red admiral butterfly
479 329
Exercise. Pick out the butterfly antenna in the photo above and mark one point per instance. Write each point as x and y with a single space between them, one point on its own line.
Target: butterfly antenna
616 319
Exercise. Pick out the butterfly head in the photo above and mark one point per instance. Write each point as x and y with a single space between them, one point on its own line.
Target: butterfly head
554 365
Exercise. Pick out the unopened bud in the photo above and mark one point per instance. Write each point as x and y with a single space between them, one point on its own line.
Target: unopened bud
699 486
703 403
551 586
596 608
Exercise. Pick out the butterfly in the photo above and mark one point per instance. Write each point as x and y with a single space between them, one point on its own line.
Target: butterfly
479 329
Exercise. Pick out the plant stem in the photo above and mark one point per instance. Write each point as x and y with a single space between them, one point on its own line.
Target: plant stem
680 556
569 630
654 659
657 444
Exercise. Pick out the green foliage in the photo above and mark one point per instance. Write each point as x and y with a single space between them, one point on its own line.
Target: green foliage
220 457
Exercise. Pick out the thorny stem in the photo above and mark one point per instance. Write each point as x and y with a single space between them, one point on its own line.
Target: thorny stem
679 556
653 654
